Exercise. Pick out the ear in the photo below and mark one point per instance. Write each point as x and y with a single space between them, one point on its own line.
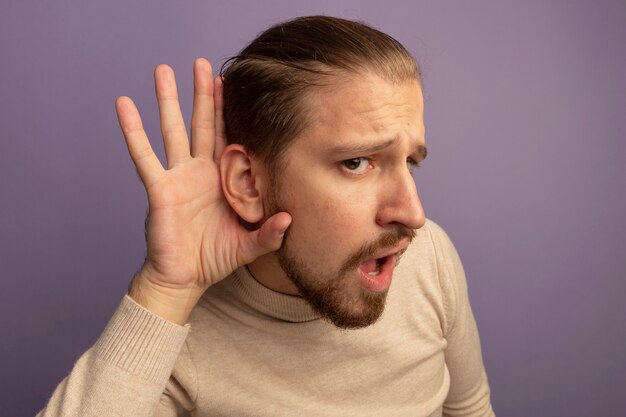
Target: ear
242 183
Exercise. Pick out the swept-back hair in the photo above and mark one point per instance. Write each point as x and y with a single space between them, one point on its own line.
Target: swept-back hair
265 85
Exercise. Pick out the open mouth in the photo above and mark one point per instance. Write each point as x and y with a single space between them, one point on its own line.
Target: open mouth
376 272
372 267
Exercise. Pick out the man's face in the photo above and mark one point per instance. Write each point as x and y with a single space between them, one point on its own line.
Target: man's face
346 181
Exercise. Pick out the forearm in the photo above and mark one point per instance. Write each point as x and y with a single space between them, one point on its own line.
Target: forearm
125 372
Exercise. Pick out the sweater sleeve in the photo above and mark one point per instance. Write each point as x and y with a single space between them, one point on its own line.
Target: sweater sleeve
125 372
469 394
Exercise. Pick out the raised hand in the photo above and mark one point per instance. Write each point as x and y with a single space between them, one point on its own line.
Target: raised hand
194 238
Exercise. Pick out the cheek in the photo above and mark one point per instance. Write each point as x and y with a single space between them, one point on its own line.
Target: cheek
336 218
330 209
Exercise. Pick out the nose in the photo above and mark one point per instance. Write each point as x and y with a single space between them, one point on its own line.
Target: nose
400 203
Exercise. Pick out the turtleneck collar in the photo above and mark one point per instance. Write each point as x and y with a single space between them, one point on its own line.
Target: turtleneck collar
284 307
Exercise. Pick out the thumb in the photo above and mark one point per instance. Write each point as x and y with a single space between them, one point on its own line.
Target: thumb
268 238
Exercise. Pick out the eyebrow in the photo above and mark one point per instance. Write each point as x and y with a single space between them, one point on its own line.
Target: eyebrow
365 149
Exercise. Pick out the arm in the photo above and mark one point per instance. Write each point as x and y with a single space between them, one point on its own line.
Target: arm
194 237
126 370
194 240
469 394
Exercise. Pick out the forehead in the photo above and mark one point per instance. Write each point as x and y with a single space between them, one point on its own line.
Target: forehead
362 107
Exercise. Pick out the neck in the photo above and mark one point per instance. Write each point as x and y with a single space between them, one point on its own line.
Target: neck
267 271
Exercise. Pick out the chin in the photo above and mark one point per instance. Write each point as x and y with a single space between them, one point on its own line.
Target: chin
345 311
339 295
373 305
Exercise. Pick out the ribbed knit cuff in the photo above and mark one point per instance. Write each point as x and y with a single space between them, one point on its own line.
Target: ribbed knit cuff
140 342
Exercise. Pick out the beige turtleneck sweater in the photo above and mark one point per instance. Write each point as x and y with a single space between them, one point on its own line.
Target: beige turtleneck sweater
249 351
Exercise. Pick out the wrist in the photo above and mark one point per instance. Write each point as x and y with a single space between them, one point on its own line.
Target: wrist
171 303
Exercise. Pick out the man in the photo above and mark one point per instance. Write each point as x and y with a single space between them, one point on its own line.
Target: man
276 228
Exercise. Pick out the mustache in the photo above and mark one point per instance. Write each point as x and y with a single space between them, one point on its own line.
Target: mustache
368 250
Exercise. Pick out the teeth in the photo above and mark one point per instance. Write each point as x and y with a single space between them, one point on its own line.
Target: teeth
377 271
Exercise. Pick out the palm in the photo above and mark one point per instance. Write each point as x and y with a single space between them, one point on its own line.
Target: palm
184 205
194 238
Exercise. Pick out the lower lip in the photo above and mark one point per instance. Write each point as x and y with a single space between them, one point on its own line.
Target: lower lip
382 281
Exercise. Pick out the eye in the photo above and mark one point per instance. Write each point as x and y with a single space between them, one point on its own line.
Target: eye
412 164
356 165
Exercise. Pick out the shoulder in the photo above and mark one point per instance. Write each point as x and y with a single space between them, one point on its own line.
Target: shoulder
437 235
432 239
433 254
446 257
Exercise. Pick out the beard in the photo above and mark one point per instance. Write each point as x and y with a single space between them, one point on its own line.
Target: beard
337 295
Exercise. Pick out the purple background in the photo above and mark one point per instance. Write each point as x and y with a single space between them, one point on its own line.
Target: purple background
526 126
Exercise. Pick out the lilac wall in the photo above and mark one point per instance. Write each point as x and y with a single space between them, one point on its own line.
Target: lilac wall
525 124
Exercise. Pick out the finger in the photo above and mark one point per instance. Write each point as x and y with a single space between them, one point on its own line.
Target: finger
268 238
148 165
220 134
172 123
203 116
